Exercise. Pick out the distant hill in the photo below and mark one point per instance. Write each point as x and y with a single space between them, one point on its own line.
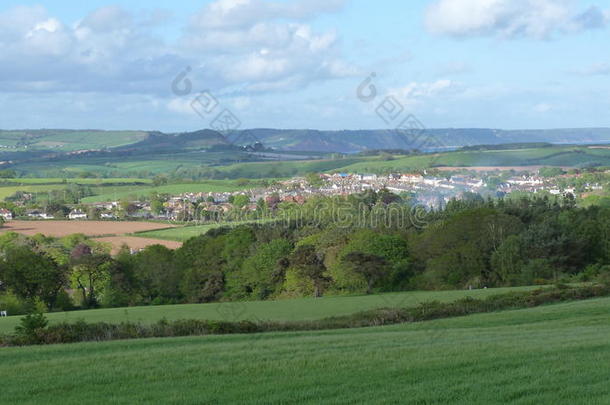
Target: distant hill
202 139
428 139
310 140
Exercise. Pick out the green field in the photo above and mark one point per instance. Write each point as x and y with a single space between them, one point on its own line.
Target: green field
41 185
67 140
208 186
233 165
282 310
555 354
183 233
104 181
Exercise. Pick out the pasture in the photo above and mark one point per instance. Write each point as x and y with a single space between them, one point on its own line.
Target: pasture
555 354
207 186
282 310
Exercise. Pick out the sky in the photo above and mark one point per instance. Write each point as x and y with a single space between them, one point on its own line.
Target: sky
320 64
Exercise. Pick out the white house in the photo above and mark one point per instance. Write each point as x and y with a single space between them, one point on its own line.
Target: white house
77 214
6 214
39 214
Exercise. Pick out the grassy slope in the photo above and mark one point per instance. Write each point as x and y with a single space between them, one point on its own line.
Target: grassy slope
47 180
66 140
547 355
292 309
221 162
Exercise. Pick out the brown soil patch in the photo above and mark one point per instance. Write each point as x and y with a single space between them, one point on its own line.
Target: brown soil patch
89 228
136 243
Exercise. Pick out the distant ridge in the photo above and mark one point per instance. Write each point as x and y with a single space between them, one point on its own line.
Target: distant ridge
310 140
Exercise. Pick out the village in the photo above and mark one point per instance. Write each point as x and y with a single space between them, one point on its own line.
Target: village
432 191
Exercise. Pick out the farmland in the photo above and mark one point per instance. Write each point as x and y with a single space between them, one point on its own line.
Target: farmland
68 140
544 355
234 165
182 233
120 192
281 310
135 243
89 228
112 232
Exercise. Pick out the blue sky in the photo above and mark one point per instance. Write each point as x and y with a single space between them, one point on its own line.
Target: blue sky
298 63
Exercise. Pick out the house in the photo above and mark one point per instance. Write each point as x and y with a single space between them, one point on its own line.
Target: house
6 214
39 214
77 214
107 215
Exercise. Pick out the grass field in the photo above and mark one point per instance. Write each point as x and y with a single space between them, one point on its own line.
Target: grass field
208 186
283 310
68 140
183 233
557 354
41 185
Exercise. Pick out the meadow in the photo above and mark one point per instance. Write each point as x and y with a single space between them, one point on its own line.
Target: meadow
554 354
68 140
234 165
282 310
113 193
42 185
183 233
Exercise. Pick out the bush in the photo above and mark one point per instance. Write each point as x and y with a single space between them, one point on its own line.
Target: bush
31 328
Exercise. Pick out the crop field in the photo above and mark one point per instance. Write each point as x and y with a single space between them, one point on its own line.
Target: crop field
113 232
282 310
183 233
555 354
89 228
135 243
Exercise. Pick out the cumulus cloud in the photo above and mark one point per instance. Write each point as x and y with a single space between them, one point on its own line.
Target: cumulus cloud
266 45
539 19
242 13
253 44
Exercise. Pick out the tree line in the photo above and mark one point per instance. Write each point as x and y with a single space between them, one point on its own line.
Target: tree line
361 244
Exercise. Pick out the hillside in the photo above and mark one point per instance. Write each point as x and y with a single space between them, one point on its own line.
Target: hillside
347 141
546 355
427 139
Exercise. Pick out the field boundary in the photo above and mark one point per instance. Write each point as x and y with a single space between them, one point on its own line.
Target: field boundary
82 331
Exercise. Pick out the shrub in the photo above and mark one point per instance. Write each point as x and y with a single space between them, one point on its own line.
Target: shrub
31 328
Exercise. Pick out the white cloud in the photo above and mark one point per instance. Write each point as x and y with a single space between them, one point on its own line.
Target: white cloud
597 69
265 45
415 90
243 13
542 108
253 44
539 19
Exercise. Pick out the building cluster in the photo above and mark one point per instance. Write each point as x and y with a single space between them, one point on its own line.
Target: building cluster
431 191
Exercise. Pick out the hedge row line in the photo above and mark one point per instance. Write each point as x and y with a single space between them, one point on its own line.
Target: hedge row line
34 329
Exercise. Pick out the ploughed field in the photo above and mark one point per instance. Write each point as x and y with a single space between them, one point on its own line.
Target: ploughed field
553 354
114 232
